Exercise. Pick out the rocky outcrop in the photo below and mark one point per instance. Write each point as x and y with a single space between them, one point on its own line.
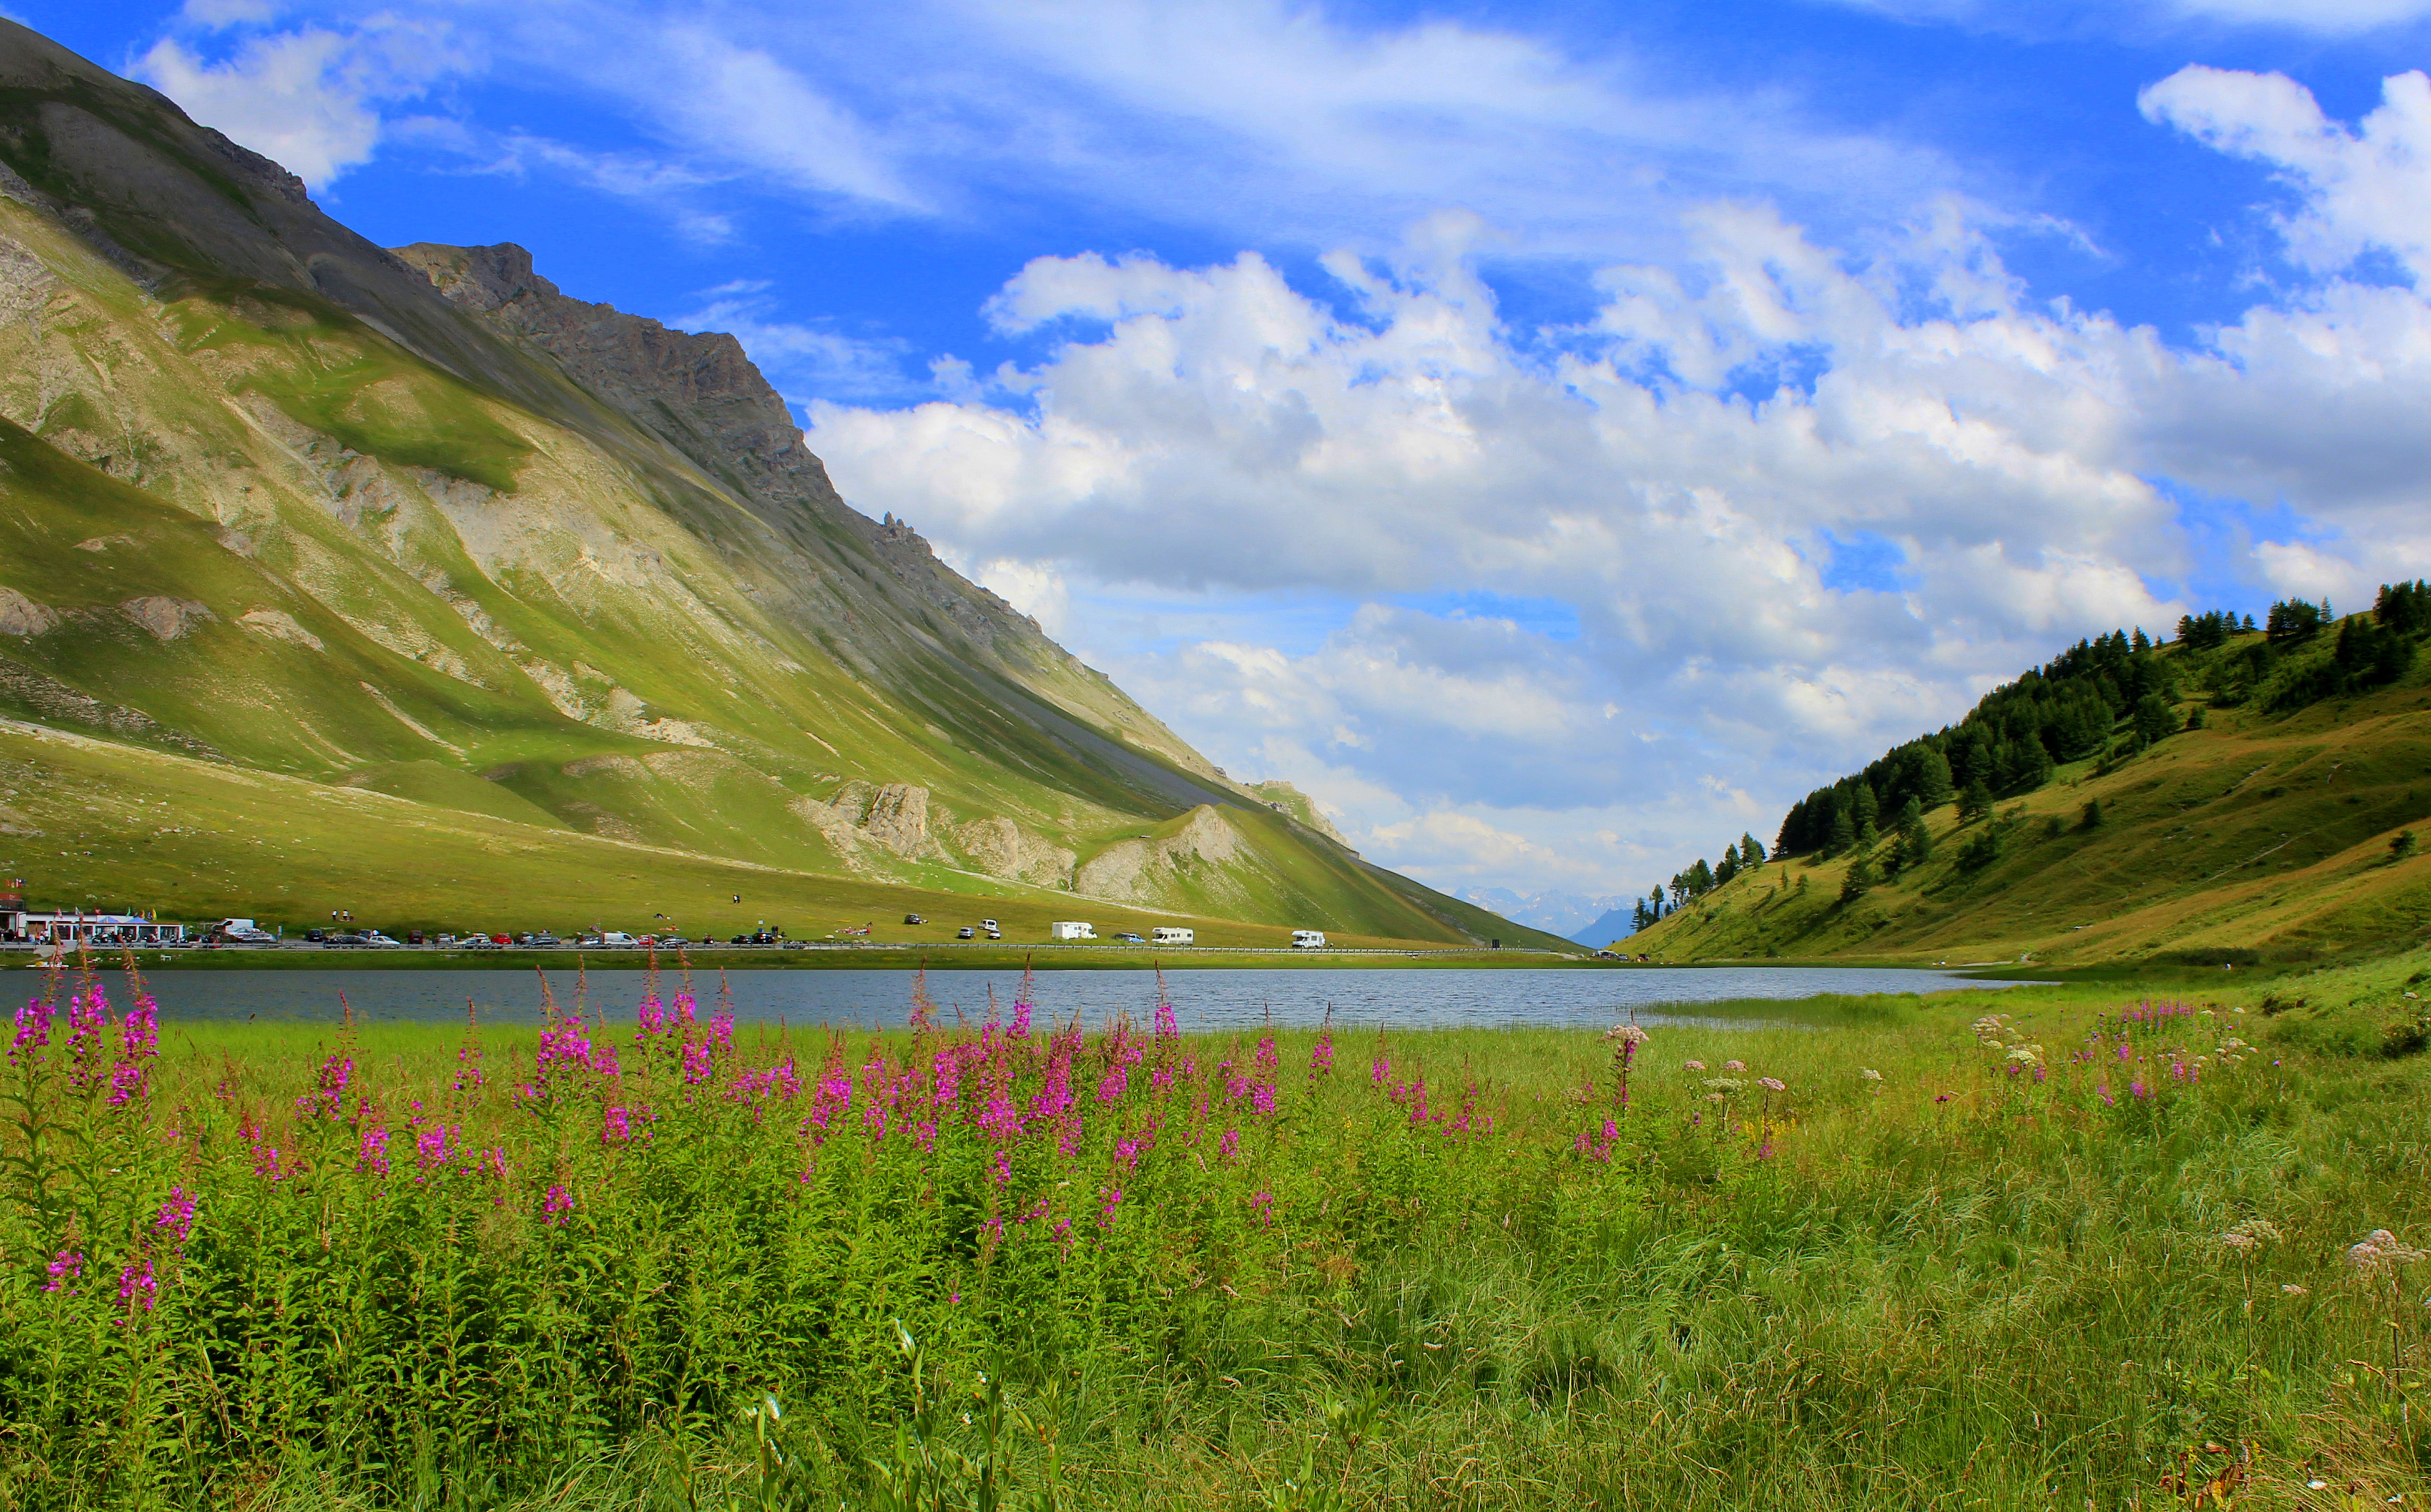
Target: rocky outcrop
279 626
1001 848
1142 870
20 615
893 818
166 618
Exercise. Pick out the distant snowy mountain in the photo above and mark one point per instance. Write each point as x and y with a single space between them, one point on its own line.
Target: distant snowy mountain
1616 923
1570 915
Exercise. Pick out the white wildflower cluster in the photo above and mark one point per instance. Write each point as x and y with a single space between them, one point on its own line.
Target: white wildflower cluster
1997 1031
1726 1085
2380 1251
1692 1064
1771 1083
2250 1235
2233 1050
1627 1033
1871 1074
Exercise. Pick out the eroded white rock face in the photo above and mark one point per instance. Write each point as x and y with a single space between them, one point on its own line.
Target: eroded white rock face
166 618
20 615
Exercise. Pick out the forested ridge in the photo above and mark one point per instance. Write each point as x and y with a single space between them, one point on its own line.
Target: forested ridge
2103 700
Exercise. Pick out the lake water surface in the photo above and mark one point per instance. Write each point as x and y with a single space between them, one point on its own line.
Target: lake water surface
1203 1000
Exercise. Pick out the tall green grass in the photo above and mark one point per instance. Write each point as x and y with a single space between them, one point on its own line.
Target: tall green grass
2084 1252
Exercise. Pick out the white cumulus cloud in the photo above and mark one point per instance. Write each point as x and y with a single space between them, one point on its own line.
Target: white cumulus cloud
313 100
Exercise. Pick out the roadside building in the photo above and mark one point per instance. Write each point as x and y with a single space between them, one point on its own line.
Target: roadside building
60 927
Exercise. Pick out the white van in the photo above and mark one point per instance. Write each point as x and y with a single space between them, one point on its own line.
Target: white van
1071 929
617 940
1162 936
1308 939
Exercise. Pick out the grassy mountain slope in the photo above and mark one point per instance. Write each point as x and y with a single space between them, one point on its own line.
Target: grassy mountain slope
2261 834
277 499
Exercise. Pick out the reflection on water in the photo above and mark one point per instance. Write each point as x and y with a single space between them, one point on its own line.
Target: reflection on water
1203 999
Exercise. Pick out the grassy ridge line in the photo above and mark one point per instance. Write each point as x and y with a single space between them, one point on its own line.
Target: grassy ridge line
122 826
2254 836
1959 1284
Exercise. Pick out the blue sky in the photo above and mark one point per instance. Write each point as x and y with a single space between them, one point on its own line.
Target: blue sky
1556 435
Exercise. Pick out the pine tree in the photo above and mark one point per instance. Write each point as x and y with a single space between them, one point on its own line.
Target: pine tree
1751 851
1843 832
2091 816
1859 880
1976 802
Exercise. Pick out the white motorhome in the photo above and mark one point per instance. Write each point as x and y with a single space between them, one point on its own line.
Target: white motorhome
1162 936
1071 929
1308 939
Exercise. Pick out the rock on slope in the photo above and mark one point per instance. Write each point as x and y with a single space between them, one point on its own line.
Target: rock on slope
417 522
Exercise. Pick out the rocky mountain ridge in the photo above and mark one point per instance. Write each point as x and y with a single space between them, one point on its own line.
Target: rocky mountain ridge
419 523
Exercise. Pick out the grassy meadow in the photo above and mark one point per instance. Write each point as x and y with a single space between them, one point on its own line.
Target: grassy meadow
2054 1246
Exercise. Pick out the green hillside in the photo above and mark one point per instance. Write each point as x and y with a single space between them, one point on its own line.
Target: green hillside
2280 827
416 523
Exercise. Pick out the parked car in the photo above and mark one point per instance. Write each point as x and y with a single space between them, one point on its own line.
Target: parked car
377 940
991 926
1130 939
544 941
964 933
914 919
996 933
477 942
318 937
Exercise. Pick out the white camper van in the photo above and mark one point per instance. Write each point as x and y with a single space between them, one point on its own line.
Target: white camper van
1163 935
1071 929
1308 939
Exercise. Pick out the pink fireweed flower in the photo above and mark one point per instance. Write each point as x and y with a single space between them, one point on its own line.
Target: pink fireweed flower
33 1029
616 1125
65 1268
87 1013
139 1042
370 1155
137 1287
1382 1069
430 1151
1320 1060
1262 1097
1117 1081
1263 1204
555 1205
1167 1029
1266 1060
2102 1090
1001 1168
2139 1090
328 1099
1230 1146
176 1218
1127 1152
1020 1029
695 1062
1106 1213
